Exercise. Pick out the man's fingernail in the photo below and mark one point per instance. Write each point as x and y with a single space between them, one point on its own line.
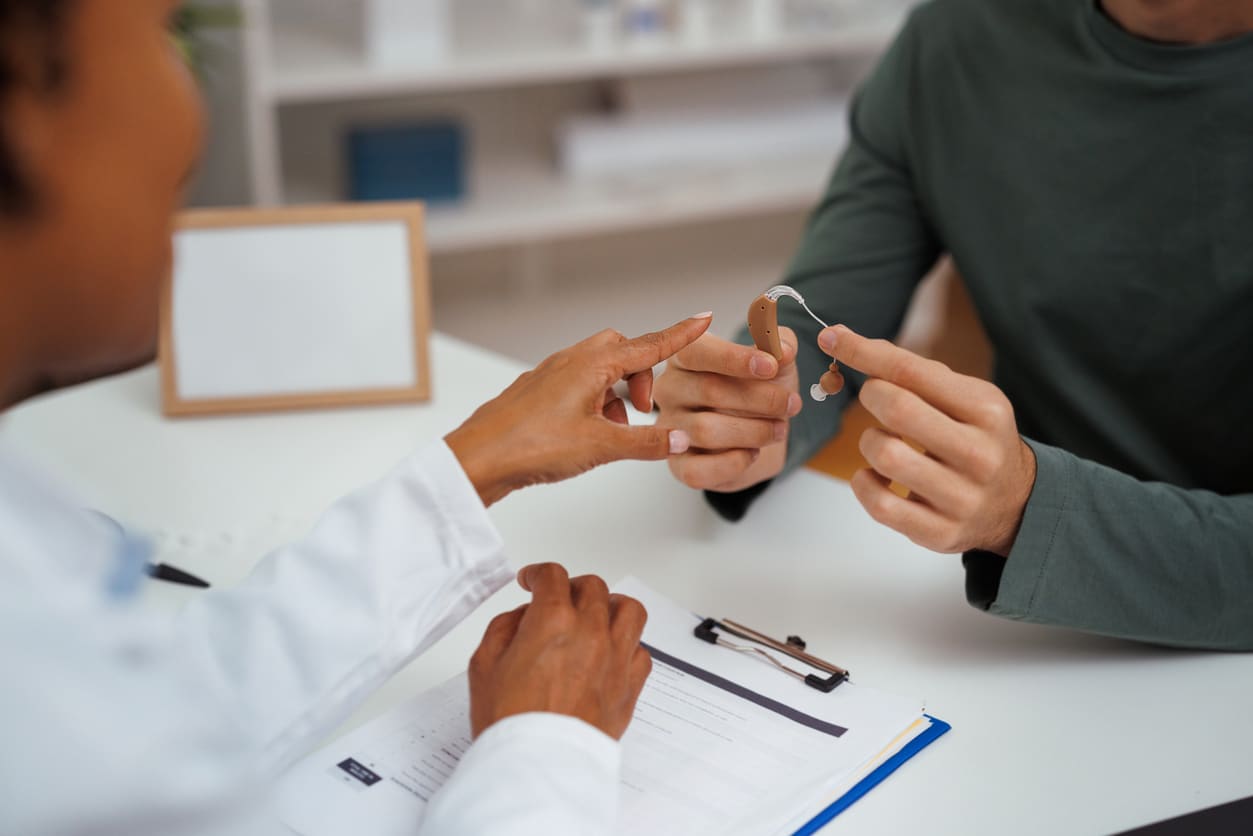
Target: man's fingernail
826 340
760 366
679 442
780 430
794 404
705 315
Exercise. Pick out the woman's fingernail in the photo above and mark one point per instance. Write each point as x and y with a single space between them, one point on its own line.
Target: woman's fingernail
760 366
826 340
705 315
679 442
780 430
794 404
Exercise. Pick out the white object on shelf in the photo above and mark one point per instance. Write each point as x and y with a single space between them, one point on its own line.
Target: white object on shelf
726 89
765 17
637 144
600 24
697 21
526 203
413 32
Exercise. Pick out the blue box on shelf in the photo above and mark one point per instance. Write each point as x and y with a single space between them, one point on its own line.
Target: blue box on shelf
423 161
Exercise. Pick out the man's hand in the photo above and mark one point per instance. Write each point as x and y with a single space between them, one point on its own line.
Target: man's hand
970 488
563 418
574 650
735 403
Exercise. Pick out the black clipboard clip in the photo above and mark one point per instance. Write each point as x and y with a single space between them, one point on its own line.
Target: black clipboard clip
794 648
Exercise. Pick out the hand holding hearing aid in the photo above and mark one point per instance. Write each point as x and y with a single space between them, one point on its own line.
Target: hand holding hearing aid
735 402
970 487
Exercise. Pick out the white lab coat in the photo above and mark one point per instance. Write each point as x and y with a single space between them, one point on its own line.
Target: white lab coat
118 720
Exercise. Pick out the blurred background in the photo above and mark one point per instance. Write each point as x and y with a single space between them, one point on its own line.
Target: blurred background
587 163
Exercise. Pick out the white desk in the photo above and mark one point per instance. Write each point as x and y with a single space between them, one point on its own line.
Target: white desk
1054 732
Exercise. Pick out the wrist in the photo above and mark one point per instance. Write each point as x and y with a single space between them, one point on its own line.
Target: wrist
1021 495
483 465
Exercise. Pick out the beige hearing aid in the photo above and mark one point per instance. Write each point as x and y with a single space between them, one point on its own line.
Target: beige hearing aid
763 325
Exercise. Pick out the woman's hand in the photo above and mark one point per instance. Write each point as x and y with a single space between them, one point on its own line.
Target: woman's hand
574 650
563 418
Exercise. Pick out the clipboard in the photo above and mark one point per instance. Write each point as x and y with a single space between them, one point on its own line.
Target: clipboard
934 732
795 648
696 724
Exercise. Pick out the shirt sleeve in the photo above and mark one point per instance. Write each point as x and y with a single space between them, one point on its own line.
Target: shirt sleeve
867 245
320 624
531 775
1102 552
152 723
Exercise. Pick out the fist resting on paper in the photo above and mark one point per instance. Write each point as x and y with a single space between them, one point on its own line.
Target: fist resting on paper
563 418
574 650
970 487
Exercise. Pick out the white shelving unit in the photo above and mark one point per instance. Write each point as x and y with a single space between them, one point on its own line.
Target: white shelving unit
529 204
310 67
299 77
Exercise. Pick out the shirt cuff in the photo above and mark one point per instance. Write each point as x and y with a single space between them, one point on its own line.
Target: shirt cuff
464 515
733 506
542 730
1008 586
536 773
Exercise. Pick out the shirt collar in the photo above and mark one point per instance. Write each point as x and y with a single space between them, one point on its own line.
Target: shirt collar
1230 56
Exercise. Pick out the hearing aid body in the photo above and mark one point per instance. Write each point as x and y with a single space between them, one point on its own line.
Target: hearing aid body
763 325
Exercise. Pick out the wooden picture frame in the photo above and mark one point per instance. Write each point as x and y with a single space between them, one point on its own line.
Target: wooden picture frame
216 249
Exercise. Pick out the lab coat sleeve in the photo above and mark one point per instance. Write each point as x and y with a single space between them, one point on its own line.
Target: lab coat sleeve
320 624
120 720
531 775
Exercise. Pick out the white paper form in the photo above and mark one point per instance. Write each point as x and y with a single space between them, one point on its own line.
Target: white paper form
718 739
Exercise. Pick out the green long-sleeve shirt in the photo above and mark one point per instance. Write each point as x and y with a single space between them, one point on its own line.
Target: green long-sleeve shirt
1096 192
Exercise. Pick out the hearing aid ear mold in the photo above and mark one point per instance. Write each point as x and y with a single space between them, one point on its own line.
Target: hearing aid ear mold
828 385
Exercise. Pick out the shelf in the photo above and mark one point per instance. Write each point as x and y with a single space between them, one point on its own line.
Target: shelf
312 67
525 204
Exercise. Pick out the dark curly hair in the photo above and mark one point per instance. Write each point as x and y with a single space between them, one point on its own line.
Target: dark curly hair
24 23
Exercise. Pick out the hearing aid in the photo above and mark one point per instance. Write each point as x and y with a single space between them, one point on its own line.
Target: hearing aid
763 325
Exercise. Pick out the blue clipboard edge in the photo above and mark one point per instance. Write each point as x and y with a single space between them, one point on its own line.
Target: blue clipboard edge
934 732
